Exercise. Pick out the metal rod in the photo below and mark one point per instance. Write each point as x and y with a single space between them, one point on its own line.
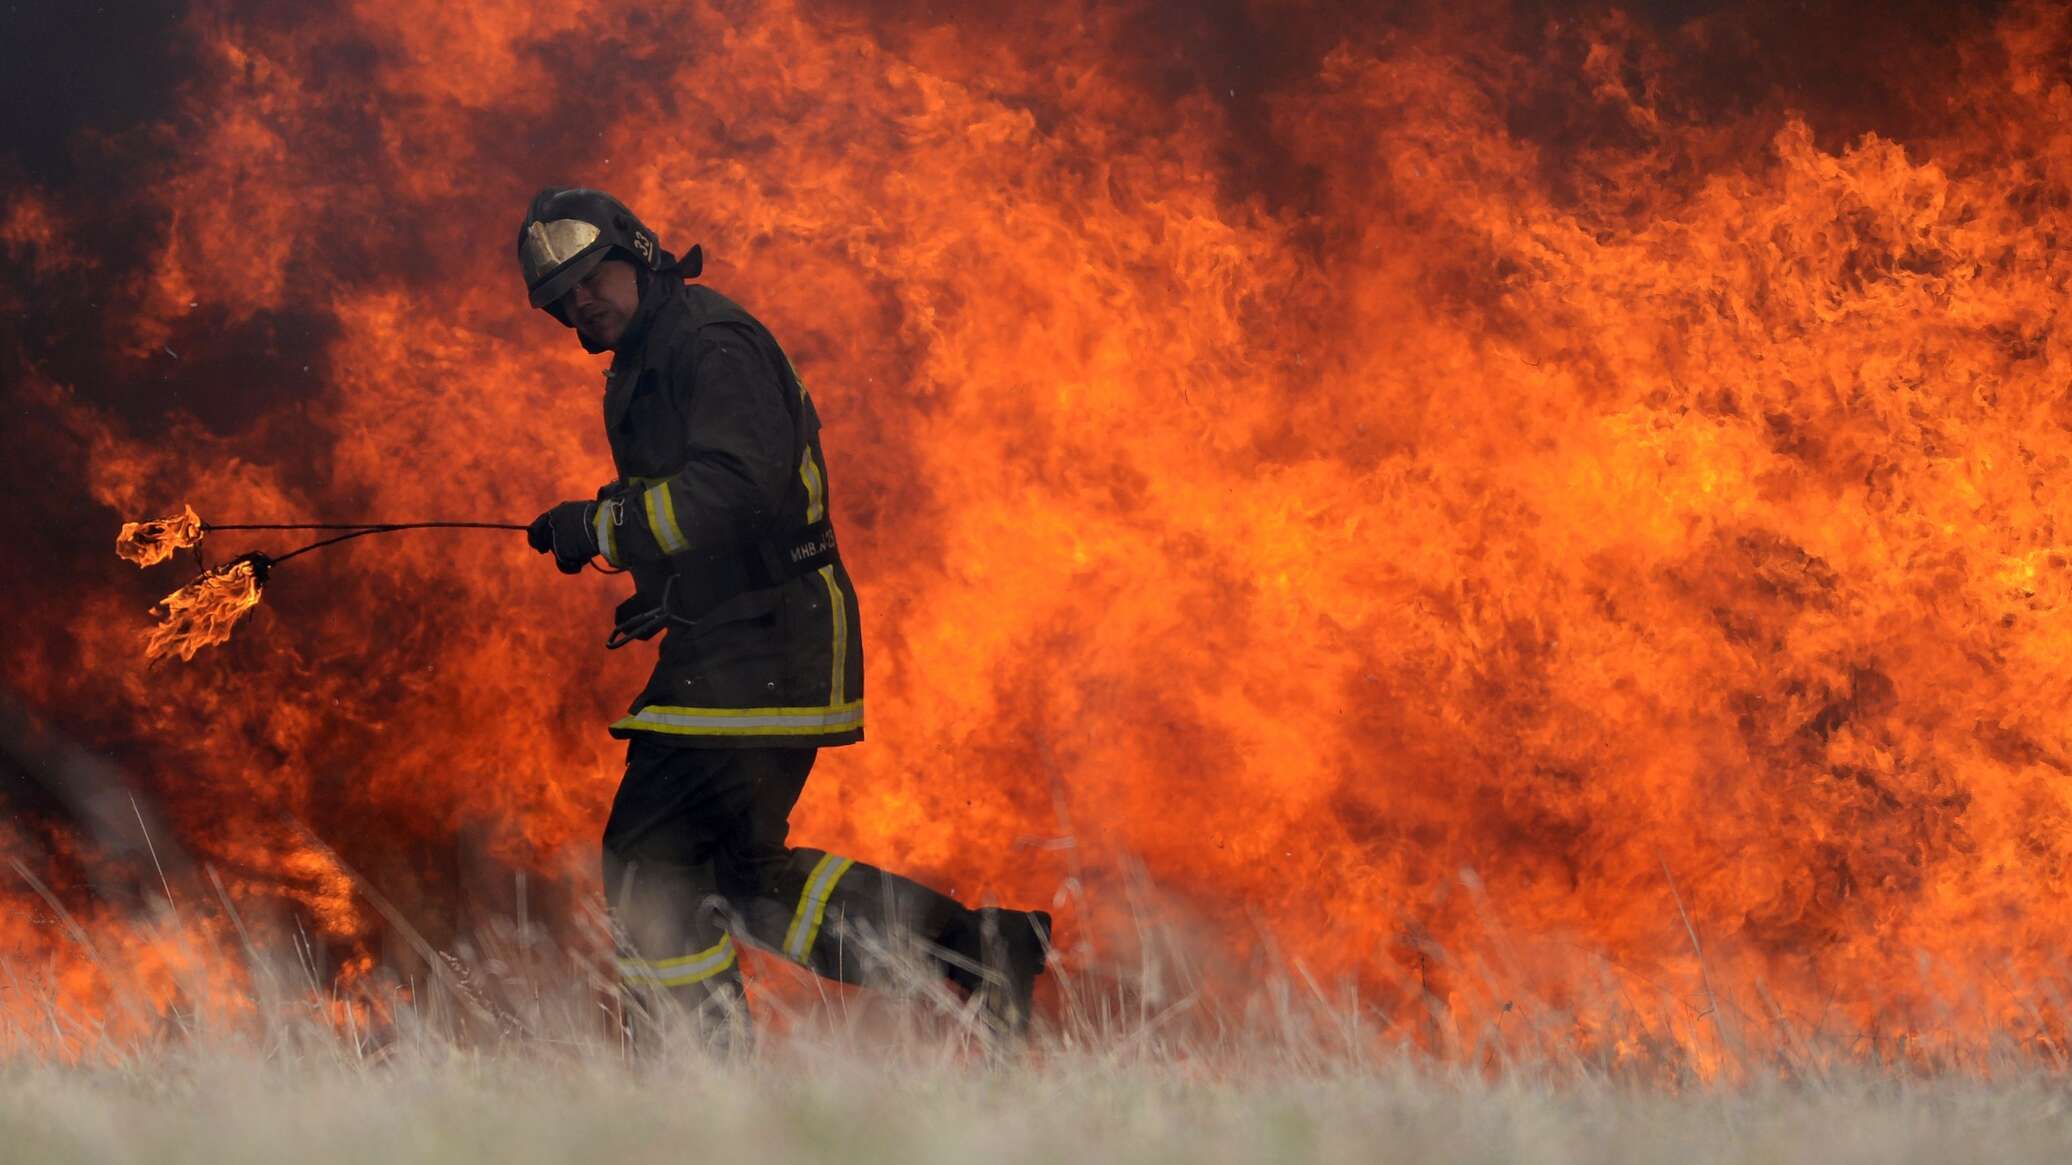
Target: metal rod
389 528
361 526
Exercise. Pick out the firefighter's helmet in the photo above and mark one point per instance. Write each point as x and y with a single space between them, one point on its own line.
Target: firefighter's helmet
570 230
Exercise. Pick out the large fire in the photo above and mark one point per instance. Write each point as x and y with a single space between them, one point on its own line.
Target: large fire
1494 503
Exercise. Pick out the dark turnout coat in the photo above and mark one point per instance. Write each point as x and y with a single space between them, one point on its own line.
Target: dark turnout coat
721 507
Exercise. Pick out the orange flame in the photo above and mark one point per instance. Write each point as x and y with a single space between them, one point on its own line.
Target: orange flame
202 613
1318 458
150 543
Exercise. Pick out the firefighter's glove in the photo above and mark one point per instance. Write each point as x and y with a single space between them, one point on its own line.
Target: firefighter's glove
568 533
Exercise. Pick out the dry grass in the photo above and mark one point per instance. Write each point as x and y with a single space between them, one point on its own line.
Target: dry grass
819 1099
506 1050
513 1108
506 1056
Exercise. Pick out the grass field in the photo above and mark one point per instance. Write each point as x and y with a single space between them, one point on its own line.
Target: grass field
818 1100
808 1104
864 1077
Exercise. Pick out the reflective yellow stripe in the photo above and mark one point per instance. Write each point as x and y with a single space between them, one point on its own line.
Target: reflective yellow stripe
606 525
806 920
838 610
745 721
682 971
809 473
838 607
661 515
804 910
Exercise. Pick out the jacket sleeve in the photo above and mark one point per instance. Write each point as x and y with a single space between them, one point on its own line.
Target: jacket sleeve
739 466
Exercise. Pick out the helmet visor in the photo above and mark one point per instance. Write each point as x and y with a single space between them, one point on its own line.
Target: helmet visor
556 254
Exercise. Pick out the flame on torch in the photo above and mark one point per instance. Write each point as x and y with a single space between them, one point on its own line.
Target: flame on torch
202 613
150 543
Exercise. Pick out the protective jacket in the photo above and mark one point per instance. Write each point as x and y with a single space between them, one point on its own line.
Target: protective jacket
721 515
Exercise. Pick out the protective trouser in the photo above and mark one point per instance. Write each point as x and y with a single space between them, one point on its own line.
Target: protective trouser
695 858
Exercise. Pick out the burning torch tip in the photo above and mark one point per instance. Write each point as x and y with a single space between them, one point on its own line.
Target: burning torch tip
202 613
152 542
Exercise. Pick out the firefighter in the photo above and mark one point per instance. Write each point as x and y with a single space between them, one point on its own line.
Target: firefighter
720 513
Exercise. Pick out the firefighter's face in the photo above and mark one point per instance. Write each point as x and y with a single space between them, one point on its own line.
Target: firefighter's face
603 303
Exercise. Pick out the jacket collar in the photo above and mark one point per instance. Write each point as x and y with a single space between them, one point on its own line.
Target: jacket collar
660 289
628 356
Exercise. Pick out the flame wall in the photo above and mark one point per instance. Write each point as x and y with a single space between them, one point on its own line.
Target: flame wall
1316 450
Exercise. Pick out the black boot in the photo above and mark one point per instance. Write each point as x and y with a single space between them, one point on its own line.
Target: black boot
1013 947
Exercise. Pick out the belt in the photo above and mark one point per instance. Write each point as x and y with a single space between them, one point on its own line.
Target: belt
695 588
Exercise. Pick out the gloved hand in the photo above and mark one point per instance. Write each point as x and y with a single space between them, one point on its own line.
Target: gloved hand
566 533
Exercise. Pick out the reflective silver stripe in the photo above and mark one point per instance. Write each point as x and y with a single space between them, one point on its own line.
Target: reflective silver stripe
665 718
682 971
605 524
661 515
806 920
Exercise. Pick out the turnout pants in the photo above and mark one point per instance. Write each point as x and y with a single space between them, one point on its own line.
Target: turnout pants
696 860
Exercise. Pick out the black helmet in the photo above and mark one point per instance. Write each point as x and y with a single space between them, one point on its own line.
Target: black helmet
569 231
